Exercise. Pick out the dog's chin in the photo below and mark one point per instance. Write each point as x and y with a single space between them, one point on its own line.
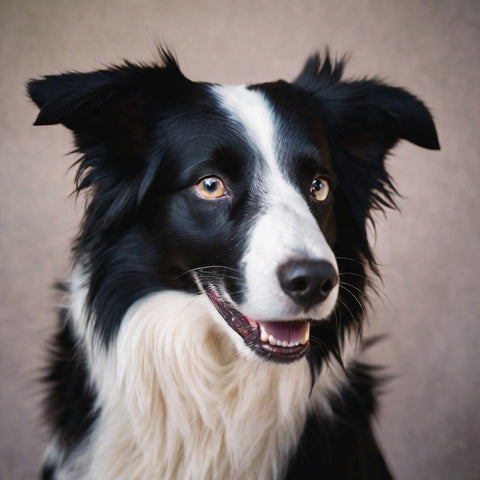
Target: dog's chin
281 341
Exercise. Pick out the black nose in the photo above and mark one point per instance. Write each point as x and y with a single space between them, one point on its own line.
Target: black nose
307 282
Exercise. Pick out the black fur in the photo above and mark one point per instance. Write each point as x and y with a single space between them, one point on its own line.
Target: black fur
145 135
342 446
70 400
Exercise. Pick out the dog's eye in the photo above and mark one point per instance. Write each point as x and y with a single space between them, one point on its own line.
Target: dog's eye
320 189
211 187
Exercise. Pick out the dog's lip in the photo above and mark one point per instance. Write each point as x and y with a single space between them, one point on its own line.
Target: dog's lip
280 341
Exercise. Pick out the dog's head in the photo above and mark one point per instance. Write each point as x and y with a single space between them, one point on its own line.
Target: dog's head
255 196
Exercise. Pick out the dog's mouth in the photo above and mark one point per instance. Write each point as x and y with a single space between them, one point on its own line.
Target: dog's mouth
280 341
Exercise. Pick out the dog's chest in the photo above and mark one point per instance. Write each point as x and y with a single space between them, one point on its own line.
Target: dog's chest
178 401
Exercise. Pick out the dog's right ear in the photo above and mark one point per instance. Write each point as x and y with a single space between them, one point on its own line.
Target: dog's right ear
111 107
74 99
113 115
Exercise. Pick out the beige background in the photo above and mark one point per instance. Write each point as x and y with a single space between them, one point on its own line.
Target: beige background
430 306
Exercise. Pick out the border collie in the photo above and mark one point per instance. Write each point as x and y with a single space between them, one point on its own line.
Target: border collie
211 324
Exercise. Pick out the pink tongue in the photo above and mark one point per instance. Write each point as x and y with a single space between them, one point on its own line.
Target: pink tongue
290 332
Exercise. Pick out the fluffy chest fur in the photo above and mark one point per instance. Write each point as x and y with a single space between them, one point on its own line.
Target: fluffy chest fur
179 401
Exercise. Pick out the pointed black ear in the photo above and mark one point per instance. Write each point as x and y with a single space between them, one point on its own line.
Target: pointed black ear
369 118
363 120
111 107
366 117
104 108
113 115
74 98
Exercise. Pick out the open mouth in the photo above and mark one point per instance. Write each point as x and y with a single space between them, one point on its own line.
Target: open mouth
280 341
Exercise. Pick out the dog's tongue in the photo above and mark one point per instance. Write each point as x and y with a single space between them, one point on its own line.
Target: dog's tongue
285 333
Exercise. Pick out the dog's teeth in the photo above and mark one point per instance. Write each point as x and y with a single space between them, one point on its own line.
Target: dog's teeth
306 336
267 337
263 334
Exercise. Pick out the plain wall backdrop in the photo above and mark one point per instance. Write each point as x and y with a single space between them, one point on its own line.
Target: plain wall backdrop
429 424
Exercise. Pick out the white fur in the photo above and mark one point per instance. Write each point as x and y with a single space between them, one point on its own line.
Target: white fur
286 229
178 401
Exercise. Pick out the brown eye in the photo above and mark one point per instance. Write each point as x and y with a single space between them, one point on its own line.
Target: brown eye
320 189
211 187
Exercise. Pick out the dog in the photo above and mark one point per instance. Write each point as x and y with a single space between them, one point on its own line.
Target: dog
211 325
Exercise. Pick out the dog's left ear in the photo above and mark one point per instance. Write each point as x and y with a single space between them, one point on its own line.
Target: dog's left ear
363 120
366 117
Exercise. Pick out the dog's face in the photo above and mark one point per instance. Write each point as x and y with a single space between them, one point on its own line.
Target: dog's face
250 213
256 197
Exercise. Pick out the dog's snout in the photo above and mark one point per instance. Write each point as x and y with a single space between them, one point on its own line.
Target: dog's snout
307 282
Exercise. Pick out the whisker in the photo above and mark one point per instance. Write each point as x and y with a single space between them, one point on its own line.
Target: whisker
359 290
205 270
213 276
349 311
342 286
317 342
354 260
377 289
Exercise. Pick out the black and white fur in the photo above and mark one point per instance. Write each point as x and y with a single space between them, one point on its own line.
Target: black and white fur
163 366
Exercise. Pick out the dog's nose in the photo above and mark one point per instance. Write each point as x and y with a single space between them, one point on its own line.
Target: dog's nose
307 282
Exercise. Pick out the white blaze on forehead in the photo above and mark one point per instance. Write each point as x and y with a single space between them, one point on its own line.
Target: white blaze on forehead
250 109
286 228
